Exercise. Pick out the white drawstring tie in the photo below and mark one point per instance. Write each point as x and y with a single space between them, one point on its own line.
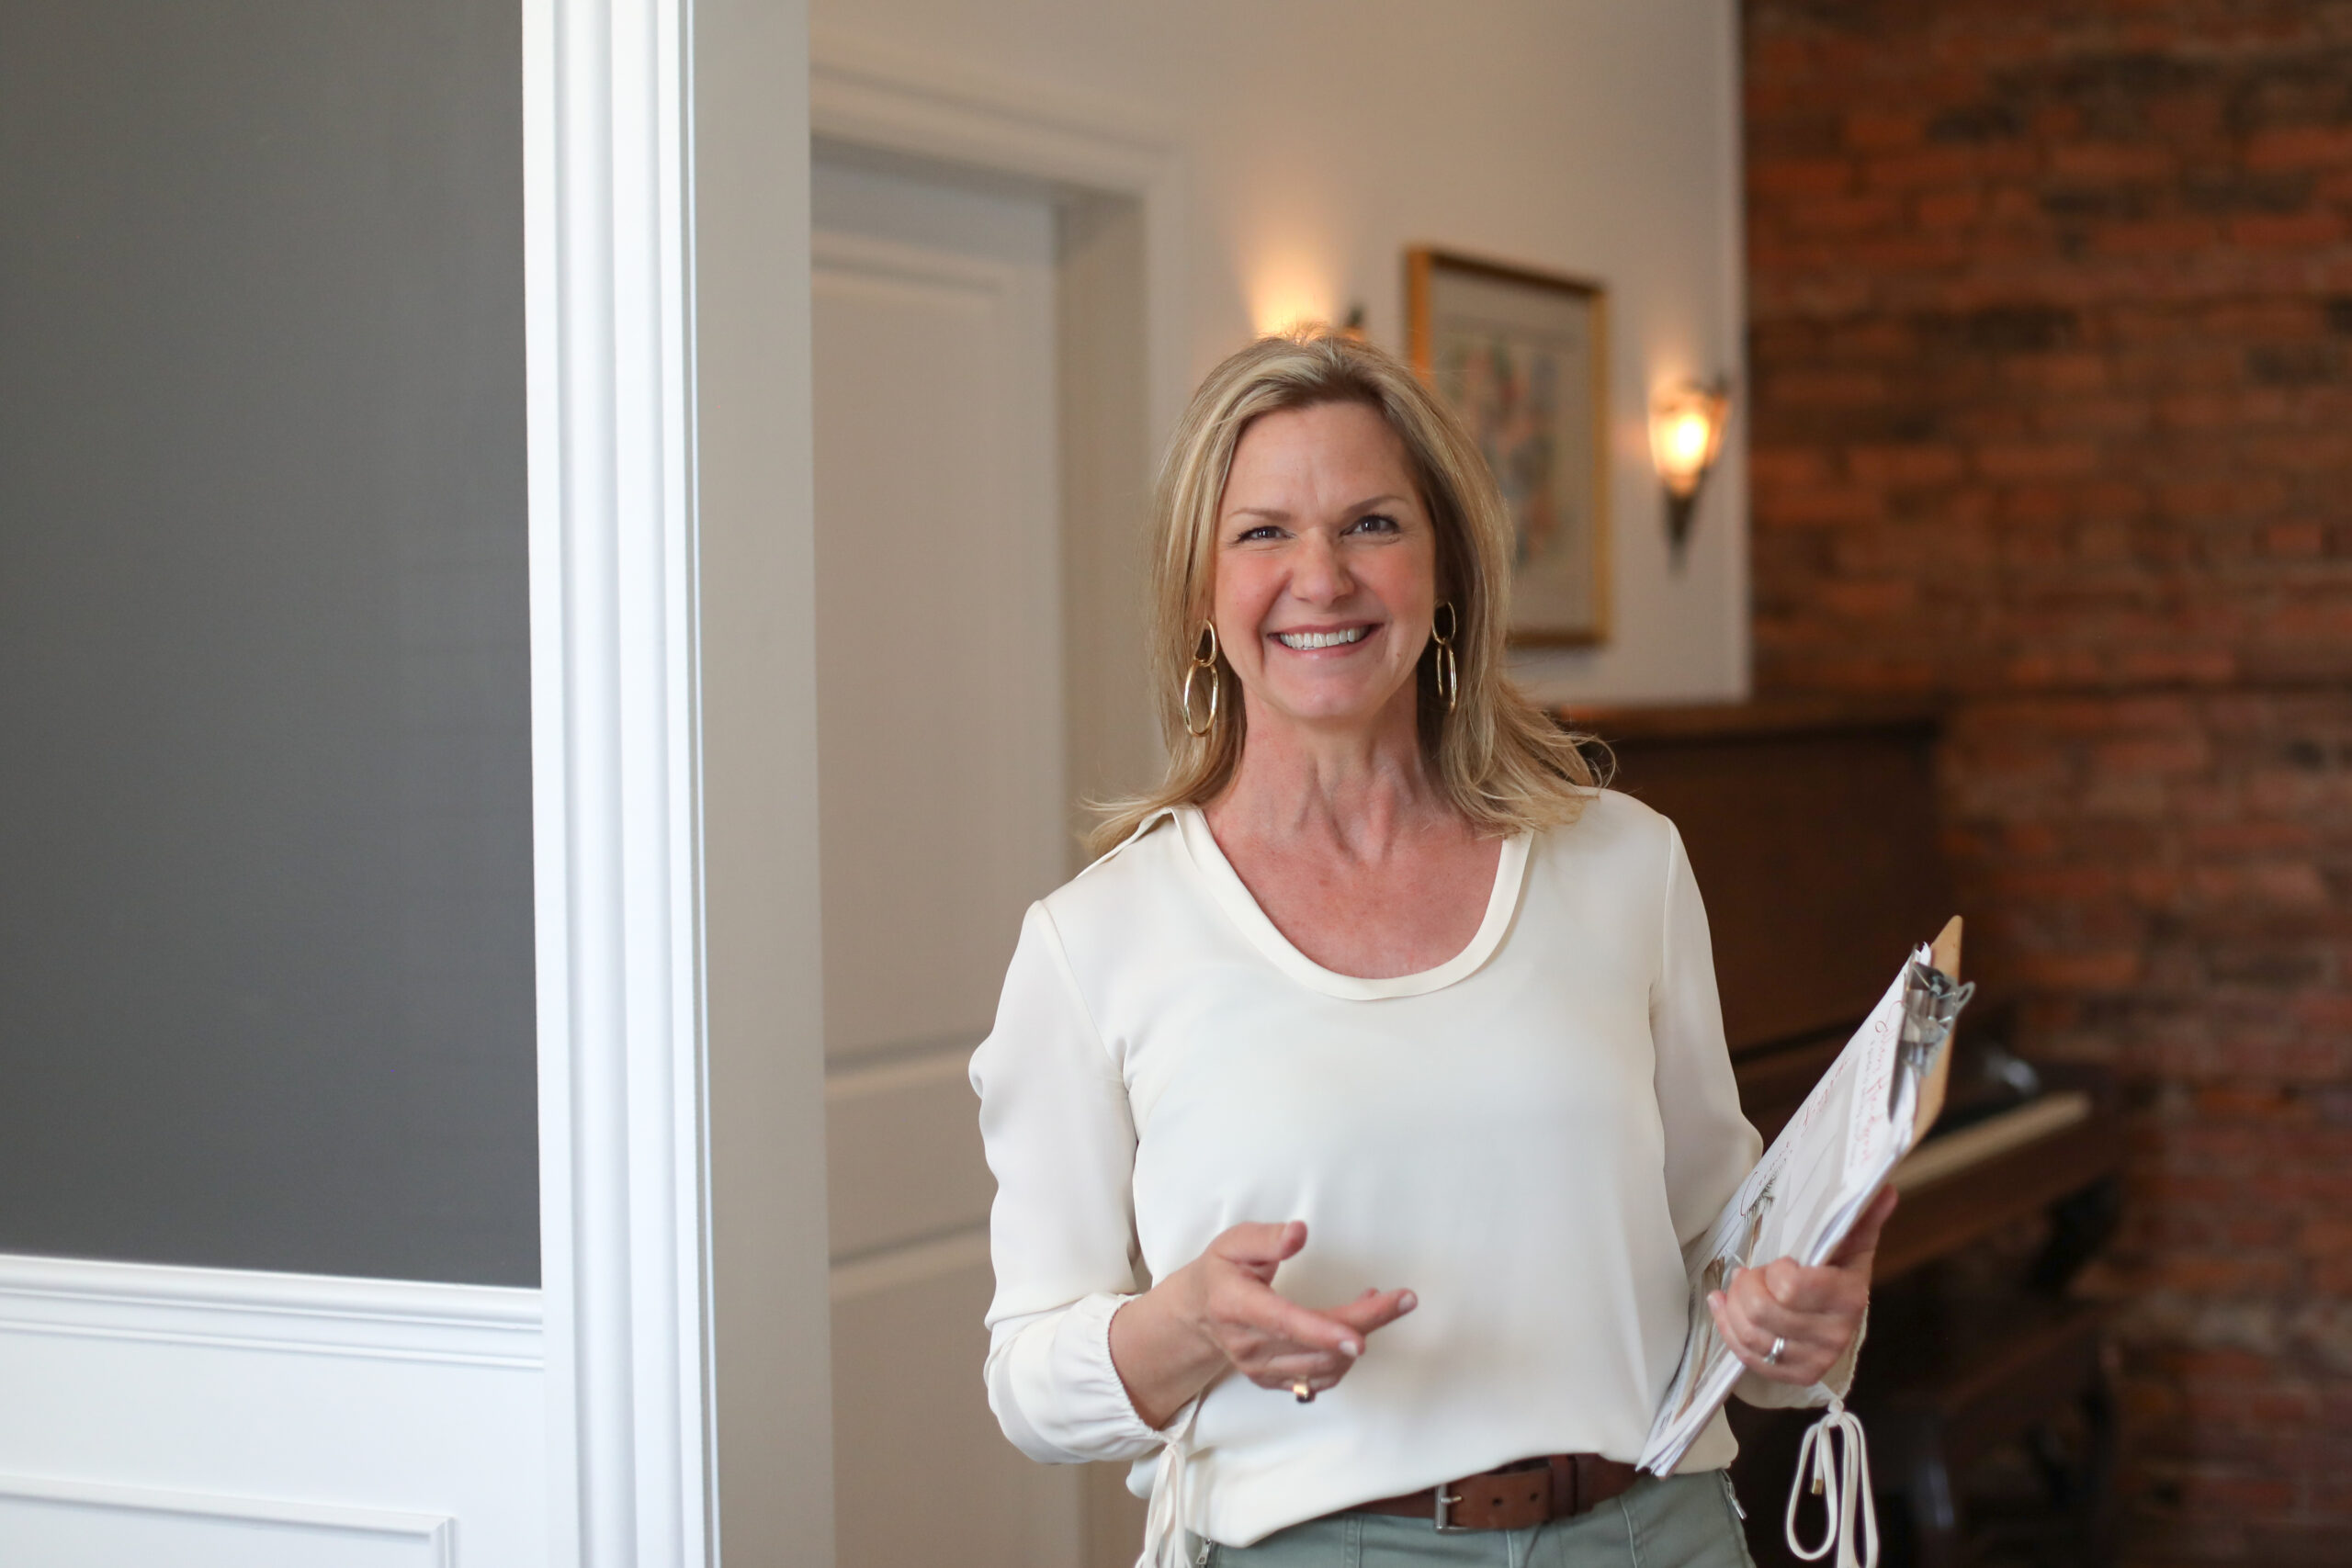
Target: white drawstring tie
1842 1480
1164 1527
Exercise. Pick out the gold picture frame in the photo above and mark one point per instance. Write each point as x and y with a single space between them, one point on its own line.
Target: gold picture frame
1523 356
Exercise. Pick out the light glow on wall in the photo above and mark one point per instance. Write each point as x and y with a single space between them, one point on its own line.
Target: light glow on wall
1291 292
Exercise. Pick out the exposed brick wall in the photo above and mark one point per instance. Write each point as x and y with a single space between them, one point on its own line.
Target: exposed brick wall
2051 399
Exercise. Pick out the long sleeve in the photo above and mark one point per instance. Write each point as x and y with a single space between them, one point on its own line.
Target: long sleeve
1710 1146
1055 1124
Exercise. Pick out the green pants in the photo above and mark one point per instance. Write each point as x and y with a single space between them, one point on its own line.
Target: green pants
1683 1521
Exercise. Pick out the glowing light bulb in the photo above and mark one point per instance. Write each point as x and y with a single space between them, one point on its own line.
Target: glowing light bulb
1686 441
1686 432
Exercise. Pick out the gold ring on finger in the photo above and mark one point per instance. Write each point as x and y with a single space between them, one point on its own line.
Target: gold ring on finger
1303 1391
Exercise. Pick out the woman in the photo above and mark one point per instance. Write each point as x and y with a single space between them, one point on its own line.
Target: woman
1350 1116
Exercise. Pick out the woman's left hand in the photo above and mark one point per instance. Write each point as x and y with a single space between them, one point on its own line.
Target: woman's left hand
1815 1312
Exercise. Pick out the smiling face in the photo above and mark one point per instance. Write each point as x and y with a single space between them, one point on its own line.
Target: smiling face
1326 570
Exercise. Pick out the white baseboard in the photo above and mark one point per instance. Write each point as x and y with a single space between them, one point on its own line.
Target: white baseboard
215 1416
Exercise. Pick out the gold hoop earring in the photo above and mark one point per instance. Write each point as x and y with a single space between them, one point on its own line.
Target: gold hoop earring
1447 671
1201 661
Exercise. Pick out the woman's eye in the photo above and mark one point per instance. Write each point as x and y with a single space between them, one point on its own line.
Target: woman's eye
1251 535
1374 524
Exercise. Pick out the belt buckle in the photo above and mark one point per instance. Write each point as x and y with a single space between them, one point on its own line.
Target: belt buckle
1445 1501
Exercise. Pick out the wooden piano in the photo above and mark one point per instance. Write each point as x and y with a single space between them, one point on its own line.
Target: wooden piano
1812 827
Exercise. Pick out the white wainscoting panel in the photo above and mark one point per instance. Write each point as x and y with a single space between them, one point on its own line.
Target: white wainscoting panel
66 1524
201 1417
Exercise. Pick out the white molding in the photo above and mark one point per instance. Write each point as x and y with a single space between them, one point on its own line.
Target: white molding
883 96
430 1531
134 1392
894 101
615 792
300 1314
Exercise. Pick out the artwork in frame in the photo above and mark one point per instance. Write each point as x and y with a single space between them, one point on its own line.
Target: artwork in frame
1523 356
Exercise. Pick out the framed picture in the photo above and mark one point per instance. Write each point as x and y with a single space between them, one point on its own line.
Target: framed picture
1523 357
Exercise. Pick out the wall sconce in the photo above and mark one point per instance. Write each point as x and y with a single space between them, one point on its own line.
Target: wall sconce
1686 432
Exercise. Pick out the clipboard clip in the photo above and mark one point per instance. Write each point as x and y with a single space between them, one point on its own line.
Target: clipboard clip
1931 1001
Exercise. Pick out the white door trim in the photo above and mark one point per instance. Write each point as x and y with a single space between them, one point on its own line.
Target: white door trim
680 1069
612 777
666 252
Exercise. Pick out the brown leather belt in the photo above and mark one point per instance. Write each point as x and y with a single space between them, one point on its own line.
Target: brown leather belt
1516 1496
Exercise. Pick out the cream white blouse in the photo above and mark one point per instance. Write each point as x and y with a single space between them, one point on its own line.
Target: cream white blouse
1525 1135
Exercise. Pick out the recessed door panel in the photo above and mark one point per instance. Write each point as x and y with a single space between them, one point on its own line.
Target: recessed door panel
944 814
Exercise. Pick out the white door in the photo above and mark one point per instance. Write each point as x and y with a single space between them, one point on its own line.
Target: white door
942 815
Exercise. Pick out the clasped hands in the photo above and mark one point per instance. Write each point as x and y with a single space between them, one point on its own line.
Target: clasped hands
1220 1313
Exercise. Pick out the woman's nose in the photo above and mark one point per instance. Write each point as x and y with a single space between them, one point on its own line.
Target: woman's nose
1320 577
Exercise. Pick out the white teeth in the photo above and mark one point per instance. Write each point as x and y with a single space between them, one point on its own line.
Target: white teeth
1320 639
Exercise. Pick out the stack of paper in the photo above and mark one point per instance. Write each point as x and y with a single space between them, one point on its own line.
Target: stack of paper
1870 1107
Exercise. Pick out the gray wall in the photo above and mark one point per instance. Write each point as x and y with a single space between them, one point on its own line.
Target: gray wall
265 987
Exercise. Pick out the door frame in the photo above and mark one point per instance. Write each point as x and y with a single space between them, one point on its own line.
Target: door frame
673 728
889 100
1122 176
1092 156
673 737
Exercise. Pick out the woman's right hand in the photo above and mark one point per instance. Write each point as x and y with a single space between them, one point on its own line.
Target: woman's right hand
1220 1313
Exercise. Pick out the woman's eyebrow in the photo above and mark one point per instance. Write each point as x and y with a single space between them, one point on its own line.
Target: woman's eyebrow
1279 514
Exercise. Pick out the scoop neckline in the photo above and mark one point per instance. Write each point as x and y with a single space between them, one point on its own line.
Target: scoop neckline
1241 905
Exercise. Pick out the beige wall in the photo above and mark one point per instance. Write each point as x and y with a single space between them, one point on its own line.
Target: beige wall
1319 137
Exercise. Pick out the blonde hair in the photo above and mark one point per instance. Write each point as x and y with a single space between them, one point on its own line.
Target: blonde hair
1499 758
